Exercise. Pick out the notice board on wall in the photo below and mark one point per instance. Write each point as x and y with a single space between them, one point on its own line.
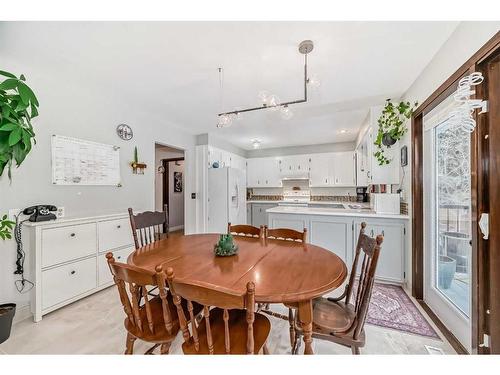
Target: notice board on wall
81 162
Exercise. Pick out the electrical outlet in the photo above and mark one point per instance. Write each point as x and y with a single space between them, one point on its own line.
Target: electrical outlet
14 212
60 212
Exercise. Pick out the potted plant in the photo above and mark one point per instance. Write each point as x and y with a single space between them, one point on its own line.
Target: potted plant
18 105
391 127
7 310
447 267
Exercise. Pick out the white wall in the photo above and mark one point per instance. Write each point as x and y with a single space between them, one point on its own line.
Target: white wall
162 152
74 104
462 44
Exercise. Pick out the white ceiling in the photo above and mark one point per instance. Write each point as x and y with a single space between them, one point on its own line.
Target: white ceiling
171 67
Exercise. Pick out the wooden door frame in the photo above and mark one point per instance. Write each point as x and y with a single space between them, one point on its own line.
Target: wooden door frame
165 185
477 200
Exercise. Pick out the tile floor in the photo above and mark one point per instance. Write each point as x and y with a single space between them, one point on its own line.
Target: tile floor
94 325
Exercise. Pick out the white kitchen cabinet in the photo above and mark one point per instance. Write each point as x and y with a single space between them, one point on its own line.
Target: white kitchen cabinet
332 233
249 214
332 169
295 166
259 215
263 172
362 168
321 170
339 234
390 266
344 169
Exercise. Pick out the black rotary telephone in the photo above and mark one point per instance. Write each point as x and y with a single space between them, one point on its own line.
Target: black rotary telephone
40 213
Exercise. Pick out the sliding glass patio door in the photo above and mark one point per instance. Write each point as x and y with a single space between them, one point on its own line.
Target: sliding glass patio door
447 220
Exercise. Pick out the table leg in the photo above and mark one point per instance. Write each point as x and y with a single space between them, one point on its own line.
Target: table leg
305 316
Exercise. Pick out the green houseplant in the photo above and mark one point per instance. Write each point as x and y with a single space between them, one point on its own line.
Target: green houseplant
18 106
7 310
391 127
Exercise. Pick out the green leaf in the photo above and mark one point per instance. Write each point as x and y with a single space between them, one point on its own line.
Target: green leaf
7 74
9 127
24 92
15 136
19 153
24 89
9 84
34 111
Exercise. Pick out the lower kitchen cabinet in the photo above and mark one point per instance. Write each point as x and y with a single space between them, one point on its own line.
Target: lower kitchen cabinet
259 215
391 263
339 234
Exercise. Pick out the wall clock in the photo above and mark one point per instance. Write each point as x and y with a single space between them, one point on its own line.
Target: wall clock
124 132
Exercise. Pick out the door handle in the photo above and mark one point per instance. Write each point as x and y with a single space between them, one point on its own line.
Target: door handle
484 225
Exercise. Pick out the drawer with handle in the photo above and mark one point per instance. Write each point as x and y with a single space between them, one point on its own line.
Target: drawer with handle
114 234
104 273
65 282
67 243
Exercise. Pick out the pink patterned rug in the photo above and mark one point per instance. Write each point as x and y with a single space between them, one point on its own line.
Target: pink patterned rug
391 307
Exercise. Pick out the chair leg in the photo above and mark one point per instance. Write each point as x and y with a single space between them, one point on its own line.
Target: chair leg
165 348
265 350
291 321
298 341
355 350
130 344
151 350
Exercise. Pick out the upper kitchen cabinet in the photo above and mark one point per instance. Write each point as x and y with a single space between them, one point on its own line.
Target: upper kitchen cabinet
263 172
344 169
332 169
321 170
368 170
295 166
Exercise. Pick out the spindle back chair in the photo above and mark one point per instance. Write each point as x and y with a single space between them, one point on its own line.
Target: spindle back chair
285 234
148 227
230 324
245 230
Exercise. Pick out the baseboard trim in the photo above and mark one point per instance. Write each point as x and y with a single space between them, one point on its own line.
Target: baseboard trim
178 227
22 313
457 345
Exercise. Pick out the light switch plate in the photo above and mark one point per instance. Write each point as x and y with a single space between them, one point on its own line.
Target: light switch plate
60 212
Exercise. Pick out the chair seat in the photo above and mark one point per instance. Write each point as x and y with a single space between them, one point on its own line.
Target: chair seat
238 327
160 333
331 320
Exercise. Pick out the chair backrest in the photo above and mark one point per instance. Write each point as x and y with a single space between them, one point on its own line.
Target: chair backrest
148 227
211 298
285 234
370 249
136 280
245 230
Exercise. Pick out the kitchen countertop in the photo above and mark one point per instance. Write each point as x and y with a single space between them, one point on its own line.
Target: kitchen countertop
325 203
332 212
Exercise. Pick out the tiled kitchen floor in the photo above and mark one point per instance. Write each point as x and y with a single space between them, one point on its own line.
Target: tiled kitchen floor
94 325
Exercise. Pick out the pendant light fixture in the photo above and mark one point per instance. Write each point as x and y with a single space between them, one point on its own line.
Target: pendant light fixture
270 101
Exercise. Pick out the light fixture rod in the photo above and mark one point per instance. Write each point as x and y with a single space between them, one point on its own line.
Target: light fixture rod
284 104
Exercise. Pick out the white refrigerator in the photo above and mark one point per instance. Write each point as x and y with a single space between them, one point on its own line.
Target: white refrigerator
226 198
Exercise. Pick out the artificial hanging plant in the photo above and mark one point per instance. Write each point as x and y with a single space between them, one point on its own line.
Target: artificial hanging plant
18 106
391 127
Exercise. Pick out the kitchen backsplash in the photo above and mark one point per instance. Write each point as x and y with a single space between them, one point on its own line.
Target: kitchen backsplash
334 198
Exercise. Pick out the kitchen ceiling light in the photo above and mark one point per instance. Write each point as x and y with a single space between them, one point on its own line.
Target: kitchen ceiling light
255 143
272 101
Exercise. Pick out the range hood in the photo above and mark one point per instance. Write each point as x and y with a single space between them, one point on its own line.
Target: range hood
291 178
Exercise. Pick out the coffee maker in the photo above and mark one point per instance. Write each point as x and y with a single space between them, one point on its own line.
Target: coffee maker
361 195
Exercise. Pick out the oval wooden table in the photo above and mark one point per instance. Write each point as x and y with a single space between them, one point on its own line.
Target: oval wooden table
283 271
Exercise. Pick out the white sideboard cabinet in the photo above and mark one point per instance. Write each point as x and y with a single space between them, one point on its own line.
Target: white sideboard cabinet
67 257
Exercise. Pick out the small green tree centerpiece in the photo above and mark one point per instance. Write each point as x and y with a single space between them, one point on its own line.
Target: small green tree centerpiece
391 127
18 105
225 247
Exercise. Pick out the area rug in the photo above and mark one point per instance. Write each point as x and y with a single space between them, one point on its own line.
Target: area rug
390 307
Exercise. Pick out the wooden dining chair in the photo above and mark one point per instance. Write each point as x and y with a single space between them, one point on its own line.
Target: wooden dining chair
231 326
285 234
148 227
341 320
245 230
154 319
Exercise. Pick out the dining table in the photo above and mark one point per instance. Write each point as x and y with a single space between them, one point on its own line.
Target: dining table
285 272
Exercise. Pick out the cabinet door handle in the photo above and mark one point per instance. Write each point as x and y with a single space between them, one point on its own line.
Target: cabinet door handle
118 226
383 234
72 235
119 257
73 272
326 180
372 233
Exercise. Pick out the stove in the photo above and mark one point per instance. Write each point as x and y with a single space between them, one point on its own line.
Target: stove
298 198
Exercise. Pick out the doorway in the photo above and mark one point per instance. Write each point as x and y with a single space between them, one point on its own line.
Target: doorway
455 180
169 184
447 220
